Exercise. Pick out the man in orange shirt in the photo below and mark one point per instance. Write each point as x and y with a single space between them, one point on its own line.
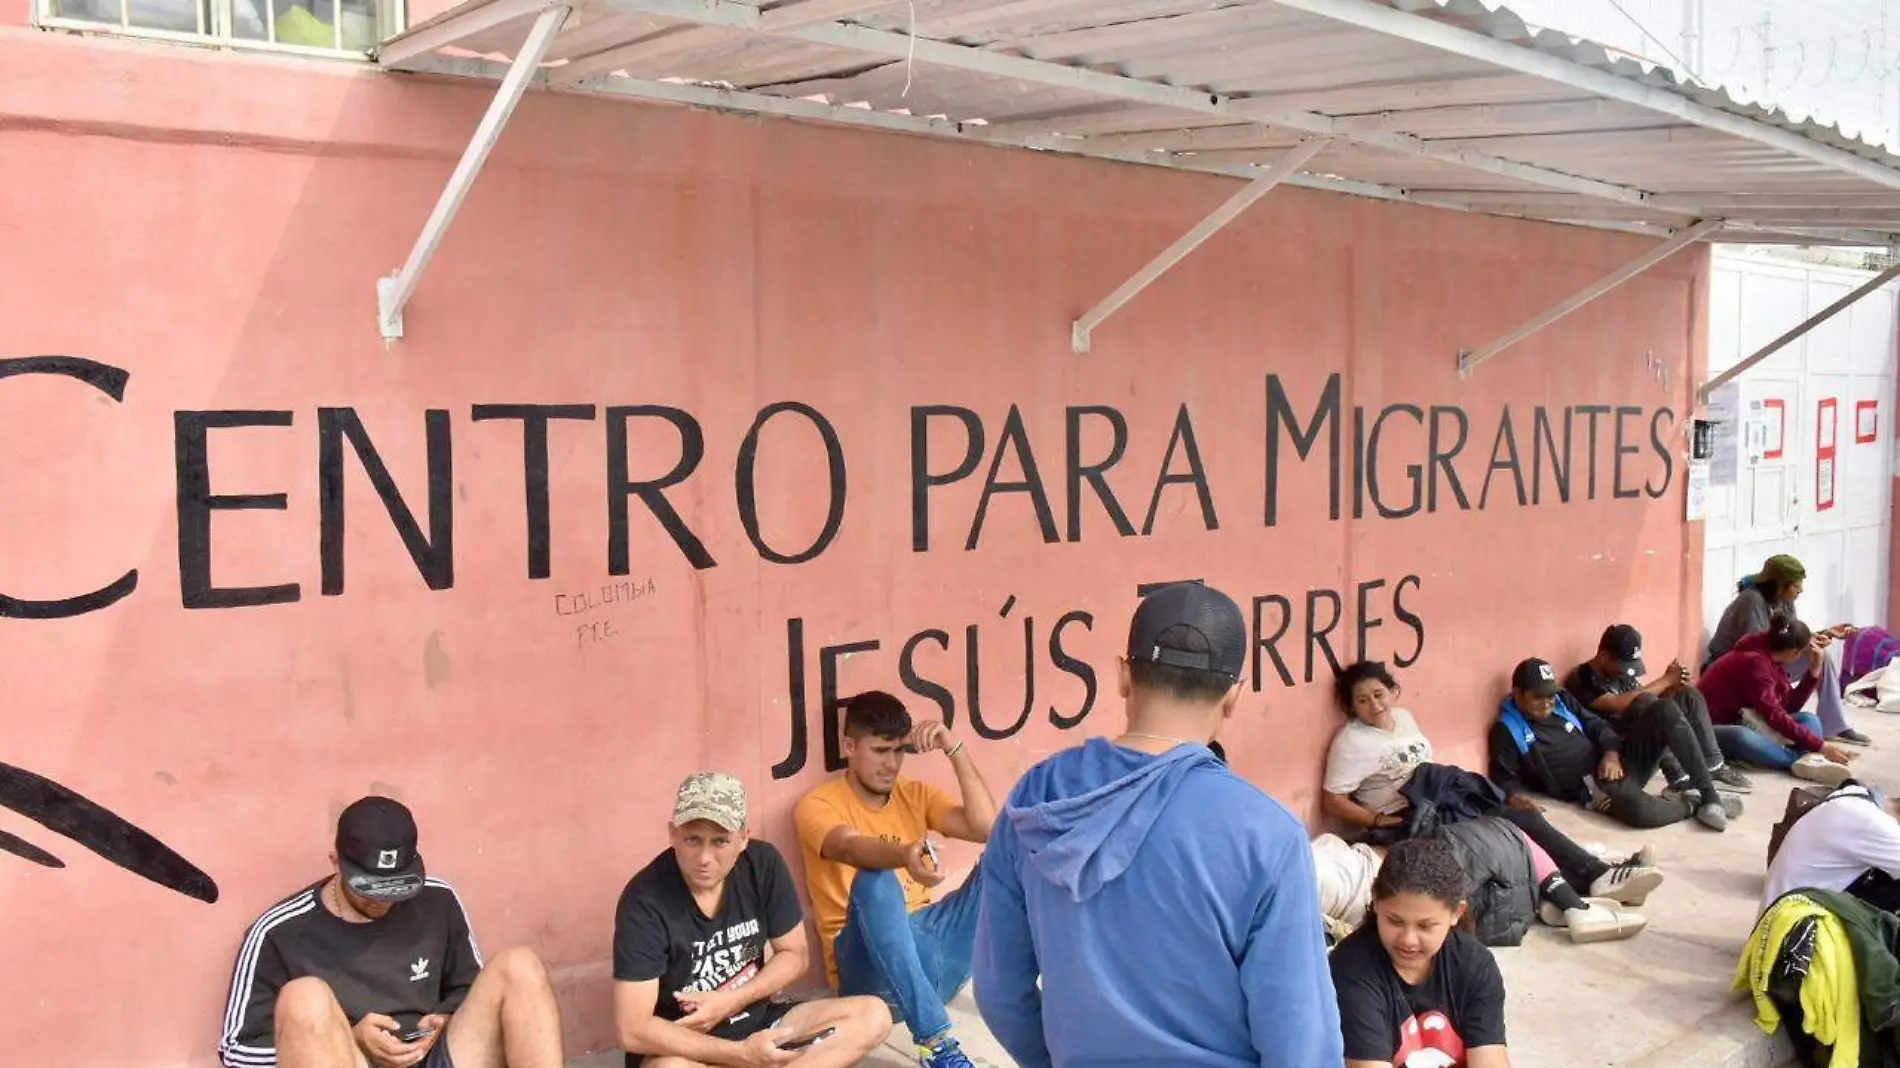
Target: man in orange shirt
870 864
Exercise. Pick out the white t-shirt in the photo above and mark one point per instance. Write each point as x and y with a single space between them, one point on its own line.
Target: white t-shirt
1372 765
1833 845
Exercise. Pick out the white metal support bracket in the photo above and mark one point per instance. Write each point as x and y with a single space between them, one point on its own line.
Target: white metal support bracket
1789 338
393 292
1282 168
1469 359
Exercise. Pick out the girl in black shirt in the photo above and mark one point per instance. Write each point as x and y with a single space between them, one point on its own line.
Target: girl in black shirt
1415 989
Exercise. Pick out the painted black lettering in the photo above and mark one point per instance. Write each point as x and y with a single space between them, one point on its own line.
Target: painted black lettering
922 479
1281 414
1624 447
1411 620
196 502
1594 412
1196 475
1414 473
835 485
1318 637
1096 474
1441 458
433 554
1081 669
1544 444
1270 642
110 381
829 657
652 492
1016 438
1504 457
534 466
794 761
1658 440
1367 621
928 689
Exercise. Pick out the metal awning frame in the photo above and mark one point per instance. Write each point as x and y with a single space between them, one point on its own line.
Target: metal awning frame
1866 289
811 21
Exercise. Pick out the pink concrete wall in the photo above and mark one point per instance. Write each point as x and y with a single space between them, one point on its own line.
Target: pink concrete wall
213 225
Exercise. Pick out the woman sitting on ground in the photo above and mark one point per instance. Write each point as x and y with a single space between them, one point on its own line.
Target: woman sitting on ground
1380 748
1749 685
1768 597
1414 986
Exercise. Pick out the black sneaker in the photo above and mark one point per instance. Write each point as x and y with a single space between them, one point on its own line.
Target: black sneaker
1732 779
1853 737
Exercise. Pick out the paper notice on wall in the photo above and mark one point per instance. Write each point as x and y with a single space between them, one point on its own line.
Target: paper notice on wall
1698 502
1725 411
1824 484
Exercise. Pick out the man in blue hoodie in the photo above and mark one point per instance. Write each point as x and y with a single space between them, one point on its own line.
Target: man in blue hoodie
1168 907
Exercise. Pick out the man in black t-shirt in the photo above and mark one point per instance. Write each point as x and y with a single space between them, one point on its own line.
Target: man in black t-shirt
376 965
1611 684
707 935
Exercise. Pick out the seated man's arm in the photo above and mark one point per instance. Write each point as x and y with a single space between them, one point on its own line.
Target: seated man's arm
1507 764
970 821
822 828
462 962
1005 969
250 1029
640 1031
785 925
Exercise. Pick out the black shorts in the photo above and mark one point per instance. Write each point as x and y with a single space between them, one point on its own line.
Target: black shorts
762 1016
438 1055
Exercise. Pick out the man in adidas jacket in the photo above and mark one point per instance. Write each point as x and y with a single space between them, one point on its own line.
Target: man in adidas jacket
375 967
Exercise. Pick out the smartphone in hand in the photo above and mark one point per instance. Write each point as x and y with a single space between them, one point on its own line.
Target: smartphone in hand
801 1043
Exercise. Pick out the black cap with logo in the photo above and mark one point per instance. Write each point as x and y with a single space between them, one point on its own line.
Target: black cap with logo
376 850
1535 676
1624 645
1163 625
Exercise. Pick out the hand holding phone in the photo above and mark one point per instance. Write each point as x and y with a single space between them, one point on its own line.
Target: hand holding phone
801 1043
414 1034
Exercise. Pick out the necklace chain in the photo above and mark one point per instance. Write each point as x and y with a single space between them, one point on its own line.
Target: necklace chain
1158 737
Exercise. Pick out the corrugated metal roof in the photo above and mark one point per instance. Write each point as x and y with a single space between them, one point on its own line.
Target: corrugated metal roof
1454 103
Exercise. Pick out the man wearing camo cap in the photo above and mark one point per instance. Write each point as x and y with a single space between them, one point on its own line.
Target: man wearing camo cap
695 983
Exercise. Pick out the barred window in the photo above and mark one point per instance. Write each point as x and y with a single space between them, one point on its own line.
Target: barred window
326 27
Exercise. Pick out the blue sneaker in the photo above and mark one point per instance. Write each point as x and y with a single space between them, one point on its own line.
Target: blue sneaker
945 1054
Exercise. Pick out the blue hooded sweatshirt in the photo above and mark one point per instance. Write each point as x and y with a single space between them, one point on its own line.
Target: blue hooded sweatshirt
1169 909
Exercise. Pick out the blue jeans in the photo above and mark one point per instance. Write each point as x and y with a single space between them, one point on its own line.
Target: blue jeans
916 961
1751 746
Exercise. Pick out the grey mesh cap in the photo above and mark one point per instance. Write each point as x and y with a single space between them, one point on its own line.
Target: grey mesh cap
1202 609
713 796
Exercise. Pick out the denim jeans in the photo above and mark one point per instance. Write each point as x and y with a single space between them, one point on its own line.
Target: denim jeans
1830 710
1753 747
916 961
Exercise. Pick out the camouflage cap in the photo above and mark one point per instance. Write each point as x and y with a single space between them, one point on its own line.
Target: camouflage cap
713 796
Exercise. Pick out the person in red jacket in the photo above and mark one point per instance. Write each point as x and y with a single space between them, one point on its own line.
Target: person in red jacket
1750 686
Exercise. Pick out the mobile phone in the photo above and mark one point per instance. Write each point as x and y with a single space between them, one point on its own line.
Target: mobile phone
413 1034
930 850
805 1042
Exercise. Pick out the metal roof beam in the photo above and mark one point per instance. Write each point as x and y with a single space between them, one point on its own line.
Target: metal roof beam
393 292
1461 42
1789 338
1469 359
689 38
1293 160
456 27
737 16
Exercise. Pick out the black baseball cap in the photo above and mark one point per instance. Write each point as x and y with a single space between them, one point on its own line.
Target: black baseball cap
376 850
1161 632
1624 644
1535 676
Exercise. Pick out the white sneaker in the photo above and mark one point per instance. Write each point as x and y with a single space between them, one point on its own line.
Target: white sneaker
1627 883
1816 768
1603 921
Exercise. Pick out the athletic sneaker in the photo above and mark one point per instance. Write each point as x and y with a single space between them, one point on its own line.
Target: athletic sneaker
1852 737
1816 768
1712 817
1600 920
1734 780
945 1054
1692 799
1627 883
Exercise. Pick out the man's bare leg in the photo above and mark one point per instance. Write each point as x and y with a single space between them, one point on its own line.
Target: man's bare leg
311 1030
862 1024
510 1019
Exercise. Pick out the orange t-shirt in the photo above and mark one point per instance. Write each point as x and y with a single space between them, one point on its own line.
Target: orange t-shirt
913 809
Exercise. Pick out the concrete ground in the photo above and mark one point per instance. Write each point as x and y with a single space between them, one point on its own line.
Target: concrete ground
1661 1000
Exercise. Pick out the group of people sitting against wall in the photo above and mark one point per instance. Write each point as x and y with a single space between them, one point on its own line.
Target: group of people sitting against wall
1136 902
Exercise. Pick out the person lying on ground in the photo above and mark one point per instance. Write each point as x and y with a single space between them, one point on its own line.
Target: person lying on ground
1415 987
1098 843
375 966
1769 596
871 865
1544 741
705 939
1611 685
1849 842
1379 749
1749 687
